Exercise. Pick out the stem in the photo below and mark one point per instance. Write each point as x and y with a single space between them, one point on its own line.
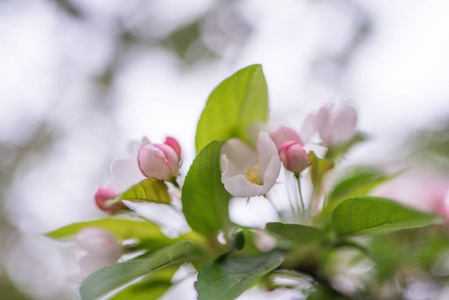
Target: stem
301 199
292 203
175 183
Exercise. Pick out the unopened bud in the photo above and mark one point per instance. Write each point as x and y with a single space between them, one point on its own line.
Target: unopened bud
293 156
160 161
105 200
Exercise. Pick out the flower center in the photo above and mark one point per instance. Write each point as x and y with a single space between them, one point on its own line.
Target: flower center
253 174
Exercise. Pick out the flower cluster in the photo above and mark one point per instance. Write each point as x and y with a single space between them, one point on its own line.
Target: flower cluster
168 214
146 160
248 172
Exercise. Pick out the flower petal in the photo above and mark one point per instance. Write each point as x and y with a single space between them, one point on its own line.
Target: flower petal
169 141
153 162
237 159
342 125
322 123
125 172
239 186
172 158
266 149
240 154
94 237
284 134
309 128
271 174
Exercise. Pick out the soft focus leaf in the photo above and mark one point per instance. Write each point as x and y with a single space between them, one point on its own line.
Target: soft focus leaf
361 215
111 277
319 167
343 149
297 233
422 246
152 189
204 198
151 287
122 228
236 103
229 276
326 293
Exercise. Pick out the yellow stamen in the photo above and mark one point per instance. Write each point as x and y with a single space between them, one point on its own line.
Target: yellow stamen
253 175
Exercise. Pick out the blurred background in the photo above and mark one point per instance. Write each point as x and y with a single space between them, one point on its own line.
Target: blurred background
81 79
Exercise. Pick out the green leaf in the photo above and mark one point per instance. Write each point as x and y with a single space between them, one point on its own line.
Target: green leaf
235 104
229 276
151 287
362 215
122 228
111 277
204 198
297 233
152 189
359 183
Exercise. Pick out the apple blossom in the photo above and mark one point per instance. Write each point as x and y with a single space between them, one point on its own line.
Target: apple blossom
247 172
293 156
160 161
101 248
334 127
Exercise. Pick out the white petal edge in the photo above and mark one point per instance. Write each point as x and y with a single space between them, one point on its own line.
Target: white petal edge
271 174
266 149
239 186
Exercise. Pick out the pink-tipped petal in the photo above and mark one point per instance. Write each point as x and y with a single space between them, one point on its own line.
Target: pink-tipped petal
284 134
169 141
160 161
154 163
171 158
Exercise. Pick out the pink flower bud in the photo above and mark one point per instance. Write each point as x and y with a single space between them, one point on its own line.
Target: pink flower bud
293 156
160 161
100 247
105 200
